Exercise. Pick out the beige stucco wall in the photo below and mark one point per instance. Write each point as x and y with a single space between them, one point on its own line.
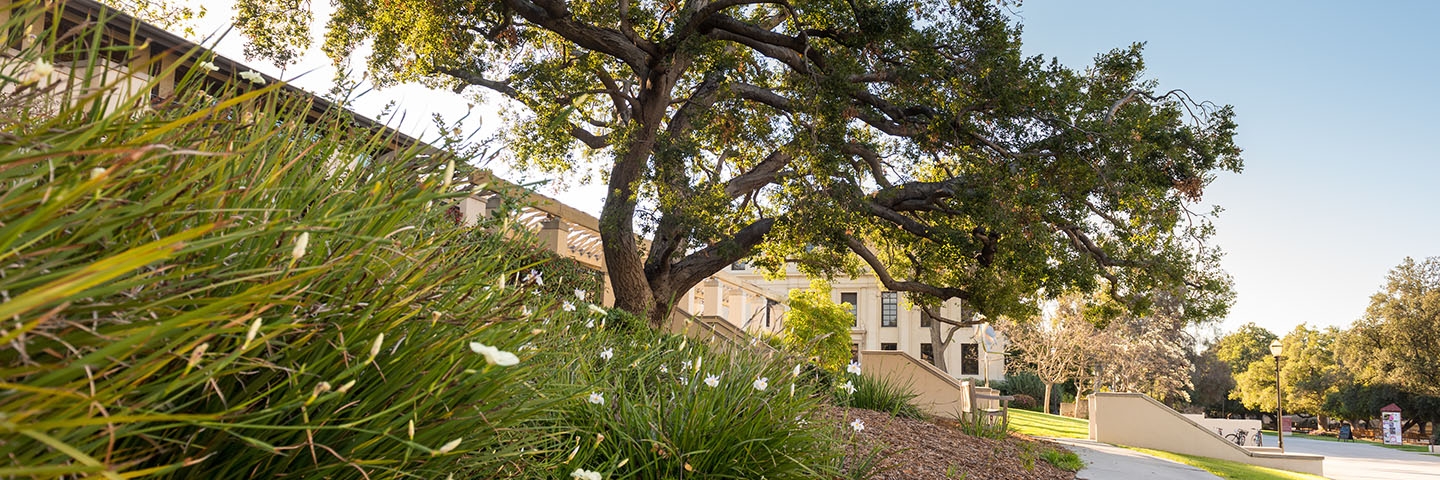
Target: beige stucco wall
1137 420
936 392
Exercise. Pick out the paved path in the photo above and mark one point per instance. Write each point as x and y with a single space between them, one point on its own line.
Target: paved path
1363 461
1108 462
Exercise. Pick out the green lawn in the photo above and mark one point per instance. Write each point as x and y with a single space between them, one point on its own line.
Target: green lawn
1229 469
1405 448
1042 425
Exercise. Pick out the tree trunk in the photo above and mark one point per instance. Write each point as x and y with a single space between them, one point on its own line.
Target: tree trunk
937 345
1048 386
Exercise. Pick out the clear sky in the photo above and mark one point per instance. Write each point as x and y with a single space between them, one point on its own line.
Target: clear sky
1336 115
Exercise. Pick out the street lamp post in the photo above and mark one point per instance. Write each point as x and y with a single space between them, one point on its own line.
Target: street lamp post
1275 349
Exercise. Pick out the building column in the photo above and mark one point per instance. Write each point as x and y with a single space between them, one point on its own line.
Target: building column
471 209
554 235
712 291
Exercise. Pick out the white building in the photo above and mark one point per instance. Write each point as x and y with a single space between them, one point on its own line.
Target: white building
884 320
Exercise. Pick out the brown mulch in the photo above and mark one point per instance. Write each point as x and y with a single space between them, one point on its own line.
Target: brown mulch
921 449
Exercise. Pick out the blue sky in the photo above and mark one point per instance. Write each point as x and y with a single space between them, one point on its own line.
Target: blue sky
1337 119
1335 115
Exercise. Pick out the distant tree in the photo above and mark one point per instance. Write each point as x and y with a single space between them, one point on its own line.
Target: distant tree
911 135
817 327
1309 372
1246 345
1147 353
1211 380
1397 342
1053 347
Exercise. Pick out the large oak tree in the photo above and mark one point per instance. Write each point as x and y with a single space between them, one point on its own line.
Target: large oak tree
909 136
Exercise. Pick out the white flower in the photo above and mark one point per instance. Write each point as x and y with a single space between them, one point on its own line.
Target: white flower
580 294
39 70
762 383
685 364
607 354
597 309
795 372
848 387
525 310
250 336
597 398
857 425
583 474
684 381
664 369
590 323
96 172
801 421
534 276
712 380
301 243
208 66
446 448
410 428
792 389
493 355
853 367
567 306
253 77
449 176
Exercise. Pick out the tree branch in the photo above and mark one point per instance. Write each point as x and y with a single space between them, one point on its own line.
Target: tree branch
554 16
762 174
942 293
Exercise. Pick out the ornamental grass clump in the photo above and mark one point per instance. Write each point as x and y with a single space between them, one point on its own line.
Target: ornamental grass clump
222 284
658 406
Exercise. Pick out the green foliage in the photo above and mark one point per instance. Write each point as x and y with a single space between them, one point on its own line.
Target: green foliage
818 328
1021 382
1395 342
1309 373
1248 344
1063 459
202 289
883 395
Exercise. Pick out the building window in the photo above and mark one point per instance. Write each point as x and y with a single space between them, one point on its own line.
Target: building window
927 353
925 319
851 299
969 359
769 304
855 352
889 308
889 346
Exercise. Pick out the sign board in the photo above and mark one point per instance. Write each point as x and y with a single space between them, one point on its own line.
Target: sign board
1286 424
1390 427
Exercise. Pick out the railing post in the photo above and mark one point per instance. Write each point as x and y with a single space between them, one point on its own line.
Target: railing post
555 235
471 209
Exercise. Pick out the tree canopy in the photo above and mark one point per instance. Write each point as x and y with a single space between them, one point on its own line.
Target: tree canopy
1397 342
1309 373
1246 345
911 137
817 327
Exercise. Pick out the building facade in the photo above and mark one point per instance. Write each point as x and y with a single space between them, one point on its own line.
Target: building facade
884 320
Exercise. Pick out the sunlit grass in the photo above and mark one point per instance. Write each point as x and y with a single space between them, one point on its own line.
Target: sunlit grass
1044 425
1229 469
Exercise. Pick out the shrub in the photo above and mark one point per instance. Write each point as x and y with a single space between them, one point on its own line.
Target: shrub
818 328
1024 402
200 289
1022 382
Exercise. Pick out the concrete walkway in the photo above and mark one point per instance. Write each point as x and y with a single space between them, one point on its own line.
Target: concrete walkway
1108 462
1364 461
